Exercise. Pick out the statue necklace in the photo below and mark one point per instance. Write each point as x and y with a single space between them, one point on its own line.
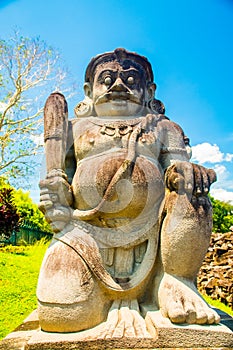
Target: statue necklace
115 128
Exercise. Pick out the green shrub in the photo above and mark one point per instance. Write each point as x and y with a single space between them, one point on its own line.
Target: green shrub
9 216
222 215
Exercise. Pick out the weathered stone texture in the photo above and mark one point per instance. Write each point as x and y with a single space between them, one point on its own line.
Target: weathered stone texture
216 274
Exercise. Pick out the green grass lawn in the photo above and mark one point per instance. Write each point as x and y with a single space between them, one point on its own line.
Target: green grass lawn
19 269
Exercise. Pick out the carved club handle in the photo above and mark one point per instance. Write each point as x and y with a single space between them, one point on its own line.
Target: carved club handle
55 131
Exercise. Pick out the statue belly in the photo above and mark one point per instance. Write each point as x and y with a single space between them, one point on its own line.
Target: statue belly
139 187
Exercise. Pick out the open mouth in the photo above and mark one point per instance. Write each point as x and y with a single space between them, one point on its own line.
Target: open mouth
117 97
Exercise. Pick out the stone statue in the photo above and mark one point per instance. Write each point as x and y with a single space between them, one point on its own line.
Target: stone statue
130 212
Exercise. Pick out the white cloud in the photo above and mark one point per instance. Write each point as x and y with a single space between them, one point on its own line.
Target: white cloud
222 195
229 157
222 189
207 153
221 171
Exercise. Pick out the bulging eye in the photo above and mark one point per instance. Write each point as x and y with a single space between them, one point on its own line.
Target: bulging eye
130 80
108 81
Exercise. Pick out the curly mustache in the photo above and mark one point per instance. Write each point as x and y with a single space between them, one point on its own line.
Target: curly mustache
117 95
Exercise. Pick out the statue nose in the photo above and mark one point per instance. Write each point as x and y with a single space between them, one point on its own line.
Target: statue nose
119 85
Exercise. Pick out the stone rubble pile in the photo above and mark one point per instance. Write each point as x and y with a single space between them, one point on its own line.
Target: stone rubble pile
215 277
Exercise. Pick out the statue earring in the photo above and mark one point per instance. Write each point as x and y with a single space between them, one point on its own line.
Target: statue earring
84 108
156 106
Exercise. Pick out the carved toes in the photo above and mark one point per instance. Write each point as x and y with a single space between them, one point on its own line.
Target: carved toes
181 303
124 320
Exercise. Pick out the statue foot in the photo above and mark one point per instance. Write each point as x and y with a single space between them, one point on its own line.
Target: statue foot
180 301
124 320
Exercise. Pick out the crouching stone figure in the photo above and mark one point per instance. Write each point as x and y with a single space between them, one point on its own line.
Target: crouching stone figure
130 212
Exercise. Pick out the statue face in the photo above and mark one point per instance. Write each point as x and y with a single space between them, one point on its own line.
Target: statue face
119 91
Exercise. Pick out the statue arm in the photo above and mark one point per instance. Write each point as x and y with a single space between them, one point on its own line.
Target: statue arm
172 141
181 175
56 194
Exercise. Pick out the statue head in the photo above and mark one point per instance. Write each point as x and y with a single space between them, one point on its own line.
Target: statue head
119 83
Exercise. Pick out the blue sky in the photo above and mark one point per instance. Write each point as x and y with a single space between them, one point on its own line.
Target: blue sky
189 44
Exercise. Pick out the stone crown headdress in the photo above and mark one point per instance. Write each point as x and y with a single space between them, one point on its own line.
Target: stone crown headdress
122 56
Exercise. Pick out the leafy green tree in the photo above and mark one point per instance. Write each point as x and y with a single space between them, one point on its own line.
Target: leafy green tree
29 71
9 216
29 212
222 215
17 209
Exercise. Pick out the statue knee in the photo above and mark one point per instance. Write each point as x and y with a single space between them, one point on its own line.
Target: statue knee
73 317
69 297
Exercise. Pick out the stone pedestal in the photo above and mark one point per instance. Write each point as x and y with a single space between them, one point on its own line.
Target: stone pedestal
164 335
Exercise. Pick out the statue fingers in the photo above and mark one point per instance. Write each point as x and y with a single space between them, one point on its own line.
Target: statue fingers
192 178
43 184
186 169
56 173
47 200
171 177
179 177
48 185
198 181
176 182
45 205
44 191
203 179
64 191
57 213
58 189
46 196
54 183
212 176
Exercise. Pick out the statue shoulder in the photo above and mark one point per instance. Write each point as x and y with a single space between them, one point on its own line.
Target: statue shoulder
81 123
173 139
79 127
168 126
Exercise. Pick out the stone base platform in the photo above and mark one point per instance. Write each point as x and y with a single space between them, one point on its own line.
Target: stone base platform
164 335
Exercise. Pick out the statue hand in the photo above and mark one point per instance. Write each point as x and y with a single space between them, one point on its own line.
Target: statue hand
55 199
190 178
55 189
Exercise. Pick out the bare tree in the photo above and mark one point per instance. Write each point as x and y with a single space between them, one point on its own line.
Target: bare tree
29 71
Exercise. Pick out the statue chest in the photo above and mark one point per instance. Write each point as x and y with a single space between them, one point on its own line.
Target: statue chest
92 140
105 165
